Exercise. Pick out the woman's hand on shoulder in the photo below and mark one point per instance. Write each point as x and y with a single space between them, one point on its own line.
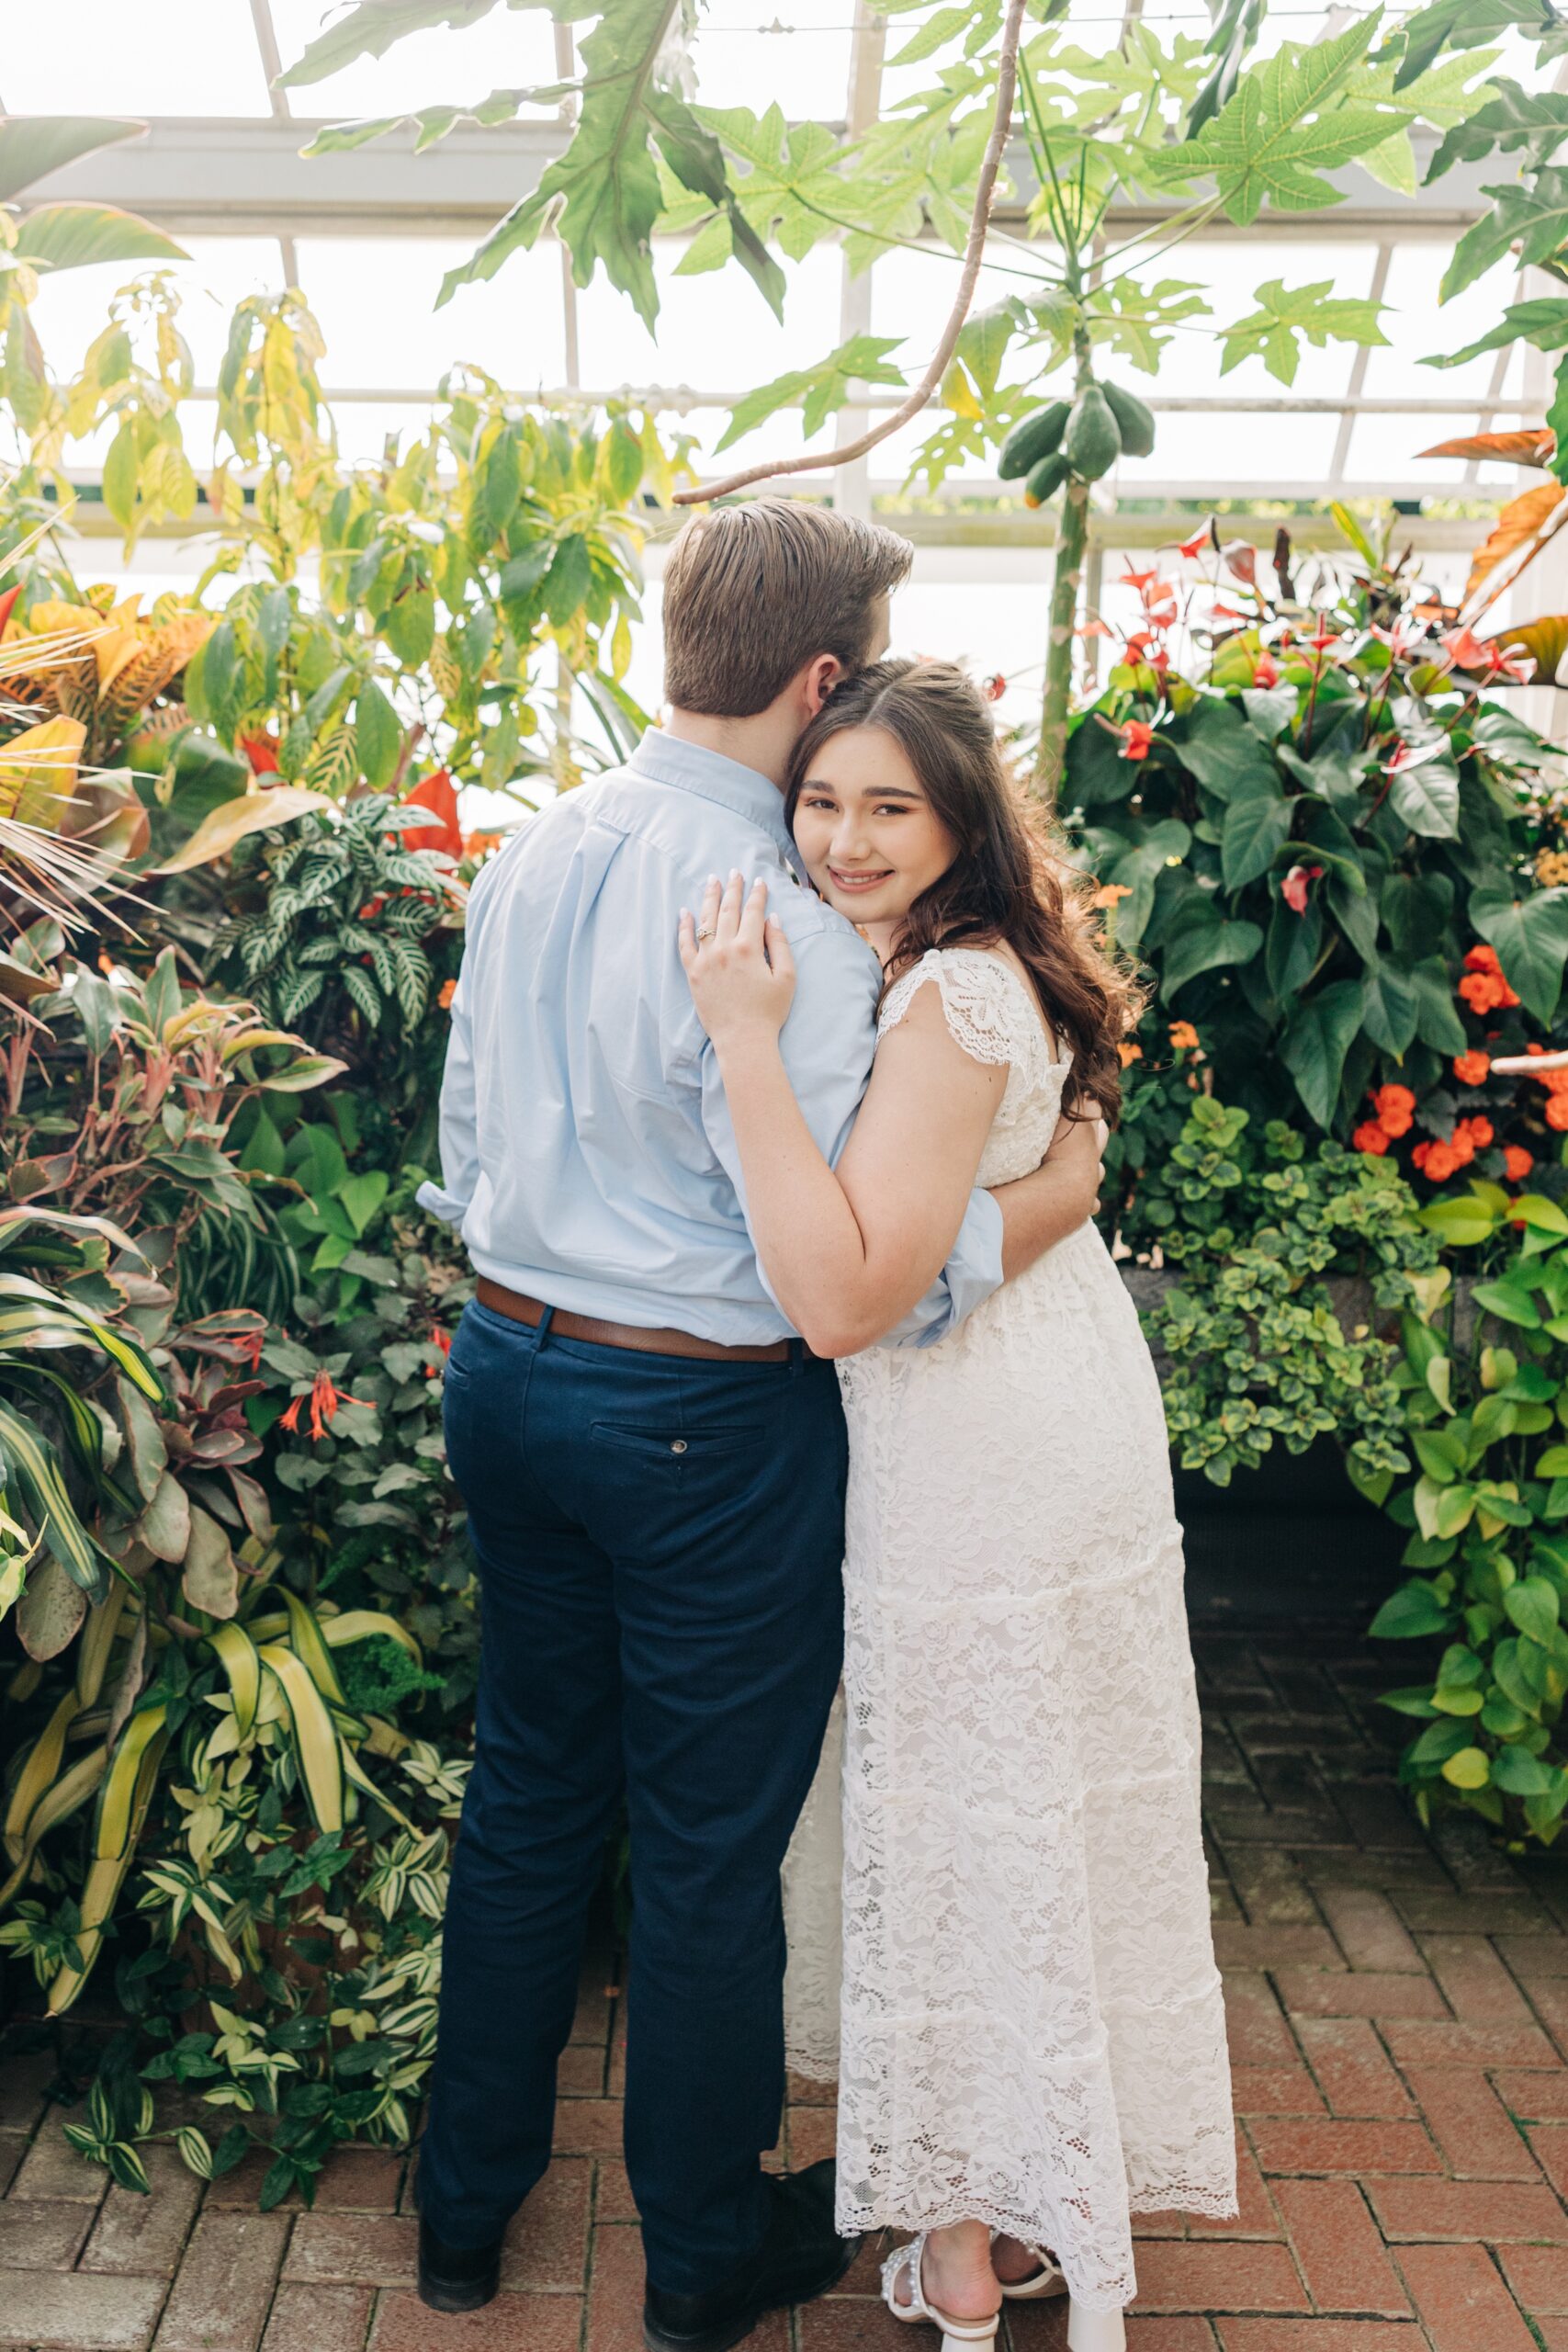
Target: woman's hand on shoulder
738 962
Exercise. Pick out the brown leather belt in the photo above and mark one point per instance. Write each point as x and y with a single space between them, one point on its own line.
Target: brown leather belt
520 1308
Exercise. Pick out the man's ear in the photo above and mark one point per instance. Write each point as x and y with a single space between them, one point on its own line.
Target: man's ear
818 679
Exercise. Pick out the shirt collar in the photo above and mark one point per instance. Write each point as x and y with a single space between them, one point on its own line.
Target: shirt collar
691 767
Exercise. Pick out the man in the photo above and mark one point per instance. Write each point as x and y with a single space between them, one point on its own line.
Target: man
654 1467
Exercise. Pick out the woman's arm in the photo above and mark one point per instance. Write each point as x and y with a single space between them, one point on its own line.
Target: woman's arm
847 1252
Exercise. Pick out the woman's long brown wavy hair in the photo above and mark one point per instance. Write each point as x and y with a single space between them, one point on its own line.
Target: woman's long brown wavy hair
1005 885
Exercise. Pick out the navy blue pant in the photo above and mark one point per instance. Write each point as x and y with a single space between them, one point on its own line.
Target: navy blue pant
660 1547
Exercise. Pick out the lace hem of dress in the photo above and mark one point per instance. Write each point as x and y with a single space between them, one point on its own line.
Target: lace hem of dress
1213 2202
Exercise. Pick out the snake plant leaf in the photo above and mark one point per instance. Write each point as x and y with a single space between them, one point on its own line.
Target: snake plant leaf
93 1650
242 1663
316 1742
358 1624
30 1460
41 1765
57 1803
123 1799
305 1637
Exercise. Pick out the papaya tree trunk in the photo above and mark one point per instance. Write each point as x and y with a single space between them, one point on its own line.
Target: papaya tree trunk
1072 544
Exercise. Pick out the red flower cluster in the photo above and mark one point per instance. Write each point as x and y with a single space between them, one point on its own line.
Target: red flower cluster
1438 1161
1471 1068
1394 1108
1556 1084
1483 987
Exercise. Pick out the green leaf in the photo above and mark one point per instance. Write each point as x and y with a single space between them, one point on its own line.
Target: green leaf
1518 1772
821 390
1510 1302
1466 23
1262 148
1531 936
1410 1613
378 738
1390 1012
1542 322
1256 827
31 146
1424 794
1275 330
369 29
1215 742
1532 1605
1511 119
76 236
1467 1769
1535 218
1204 947
1315 1040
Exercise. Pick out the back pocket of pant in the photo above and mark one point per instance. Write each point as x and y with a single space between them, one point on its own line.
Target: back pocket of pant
655 1444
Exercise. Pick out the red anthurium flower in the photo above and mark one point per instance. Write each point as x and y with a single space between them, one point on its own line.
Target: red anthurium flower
1265 670
1326 637
1138 580
1193 547
1136 737
1095 627
7 601
1294 888
1399 640
1225 612
994 687
439 795
1400 757
261 752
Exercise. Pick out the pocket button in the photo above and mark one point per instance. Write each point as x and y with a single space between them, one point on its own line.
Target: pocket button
678 1445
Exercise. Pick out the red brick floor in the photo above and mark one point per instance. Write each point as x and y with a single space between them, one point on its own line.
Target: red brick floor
1399 2022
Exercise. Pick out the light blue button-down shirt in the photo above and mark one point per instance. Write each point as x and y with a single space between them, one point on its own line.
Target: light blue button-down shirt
587 1157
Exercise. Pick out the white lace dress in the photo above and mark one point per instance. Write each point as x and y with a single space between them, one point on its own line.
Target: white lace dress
1032 2028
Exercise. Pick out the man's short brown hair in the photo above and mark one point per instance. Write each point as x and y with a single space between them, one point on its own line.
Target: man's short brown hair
752 593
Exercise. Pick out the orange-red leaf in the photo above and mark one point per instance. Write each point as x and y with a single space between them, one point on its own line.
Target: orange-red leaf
1533 446
1519 521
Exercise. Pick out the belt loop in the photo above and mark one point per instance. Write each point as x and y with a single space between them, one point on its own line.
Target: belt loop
543 1325
797 1357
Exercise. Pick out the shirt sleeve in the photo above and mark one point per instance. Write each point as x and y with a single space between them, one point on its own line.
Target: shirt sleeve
459 1135
827 1044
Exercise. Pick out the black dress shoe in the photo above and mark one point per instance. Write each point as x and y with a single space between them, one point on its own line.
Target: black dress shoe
456 2278
801 2255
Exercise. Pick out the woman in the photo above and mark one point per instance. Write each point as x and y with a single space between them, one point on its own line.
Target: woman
1033 2042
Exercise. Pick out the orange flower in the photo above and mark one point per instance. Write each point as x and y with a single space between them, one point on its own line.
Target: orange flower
1437 1161
442 1342
325 1401
1516 1162
1183 1036
1462 1144
1396 1107
1108 892
444 994
1557 1113
1482 960
1485 992
480 844
1128 1053
1370 1137
1471 1068
1481 1132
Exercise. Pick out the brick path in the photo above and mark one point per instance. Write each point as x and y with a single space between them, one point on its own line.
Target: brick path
1399 2014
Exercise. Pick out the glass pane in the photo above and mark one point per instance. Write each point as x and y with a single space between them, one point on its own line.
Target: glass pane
1416 325
100 57
715 332
742 59
509 50
376 300
1384 449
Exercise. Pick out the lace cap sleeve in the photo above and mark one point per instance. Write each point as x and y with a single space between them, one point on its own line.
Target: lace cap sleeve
979 1000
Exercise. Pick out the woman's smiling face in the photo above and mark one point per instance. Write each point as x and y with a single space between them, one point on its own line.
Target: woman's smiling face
869 838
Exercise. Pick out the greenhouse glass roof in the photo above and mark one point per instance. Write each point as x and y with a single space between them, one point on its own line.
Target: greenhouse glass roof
370 232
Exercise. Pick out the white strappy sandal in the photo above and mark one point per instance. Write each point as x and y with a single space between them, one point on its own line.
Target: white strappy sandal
1087 2331
956 2334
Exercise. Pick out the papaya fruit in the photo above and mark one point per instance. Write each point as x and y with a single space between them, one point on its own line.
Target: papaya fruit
1093 442
1032 437
1046 479
1137 425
